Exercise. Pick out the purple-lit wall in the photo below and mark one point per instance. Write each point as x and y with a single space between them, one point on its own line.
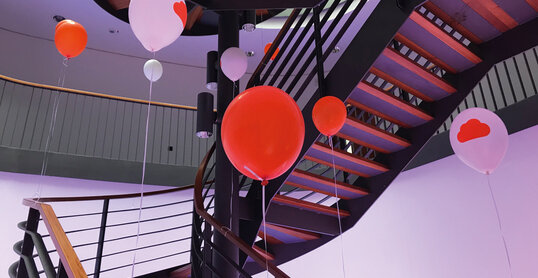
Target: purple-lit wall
439 221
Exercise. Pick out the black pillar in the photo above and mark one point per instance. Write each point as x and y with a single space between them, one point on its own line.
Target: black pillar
226 179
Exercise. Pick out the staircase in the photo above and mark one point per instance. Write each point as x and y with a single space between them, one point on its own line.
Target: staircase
397 96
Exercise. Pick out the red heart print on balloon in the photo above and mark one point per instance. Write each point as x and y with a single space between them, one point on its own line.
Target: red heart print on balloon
181 10
472 129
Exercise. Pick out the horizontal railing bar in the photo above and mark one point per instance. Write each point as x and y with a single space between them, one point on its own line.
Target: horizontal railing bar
136 249
149 220
149 233
92 94
145 261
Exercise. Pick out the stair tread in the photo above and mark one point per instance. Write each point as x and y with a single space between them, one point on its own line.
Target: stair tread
277 234
400 84
355 160
309 206
373 136
324 185
387 106
430 6
437 43
407 71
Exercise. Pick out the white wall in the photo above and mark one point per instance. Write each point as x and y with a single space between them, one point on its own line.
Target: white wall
439 221
15 187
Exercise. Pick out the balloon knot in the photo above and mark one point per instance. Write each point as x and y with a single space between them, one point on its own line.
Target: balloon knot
265 182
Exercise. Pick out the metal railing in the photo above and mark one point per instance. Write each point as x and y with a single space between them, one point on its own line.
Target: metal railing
507 83
102 232
205 226
97 125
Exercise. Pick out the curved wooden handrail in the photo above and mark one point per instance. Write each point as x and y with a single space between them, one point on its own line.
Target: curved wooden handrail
81 92
110 197
223 230
68 256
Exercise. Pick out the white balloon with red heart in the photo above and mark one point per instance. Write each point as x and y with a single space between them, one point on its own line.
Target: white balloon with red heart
480 139
157 23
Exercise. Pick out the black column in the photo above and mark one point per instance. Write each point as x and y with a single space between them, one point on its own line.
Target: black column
226 183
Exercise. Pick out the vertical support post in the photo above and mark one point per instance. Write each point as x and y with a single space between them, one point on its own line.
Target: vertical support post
61 271
101 241
207 251
319 52
28 245
226 179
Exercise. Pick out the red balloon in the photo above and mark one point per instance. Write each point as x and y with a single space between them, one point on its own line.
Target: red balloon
329 115
266 49
70 38
262 132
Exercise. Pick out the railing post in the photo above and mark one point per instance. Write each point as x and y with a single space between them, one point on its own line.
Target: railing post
61 271
101 241
207 252
28 245
319 51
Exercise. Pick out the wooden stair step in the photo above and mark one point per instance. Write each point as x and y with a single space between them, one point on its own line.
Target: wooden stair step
372 136
324 185
444 37
309 206
430 6
385 105
277 234
346 160
410 74
400 84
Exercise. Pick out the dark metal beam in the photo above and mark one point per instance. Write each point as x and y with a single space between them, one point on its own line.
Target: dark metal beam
236 5
226 185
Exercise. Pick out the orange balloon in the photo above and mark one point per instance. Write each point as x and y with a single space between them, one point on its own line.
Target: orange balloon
267 46
329 115
70 38
262 132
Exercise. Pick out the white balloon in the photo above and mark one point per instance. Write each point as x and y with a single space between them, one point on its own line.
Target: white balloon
157 23
233 63
153 70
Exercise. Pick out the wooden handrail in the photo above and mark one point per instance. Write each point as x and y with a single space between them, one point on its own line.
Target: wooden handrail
110 197
223 230
81 92
68 257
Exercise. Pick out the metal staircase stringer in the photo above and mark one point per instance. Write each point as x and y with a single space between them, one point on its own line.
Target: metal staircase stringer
377 32
492 52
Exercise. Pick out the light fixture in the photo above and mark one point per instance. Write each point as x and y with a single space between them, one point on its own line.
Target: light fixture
205 116
211 71
58 18
249 21
250 53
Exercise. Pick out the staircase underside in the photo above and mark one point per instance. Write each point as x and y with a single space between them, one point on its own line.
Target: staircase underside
436 55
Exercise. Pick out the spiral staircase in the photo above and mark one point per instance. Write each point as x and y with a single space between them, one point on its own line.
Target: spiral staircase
407 67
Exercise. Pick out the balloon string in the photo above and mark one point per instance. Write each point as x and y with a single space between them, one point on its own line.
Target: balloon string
338 209
61 83
264 231
143 173
500 226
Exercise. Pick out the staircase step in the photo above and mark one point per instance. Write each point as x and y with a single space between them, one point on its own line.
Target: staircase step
182 272
283 235
387 106
474 22
400 84
430 6
365 167
395 64
435 44
309 206
372 136
324 185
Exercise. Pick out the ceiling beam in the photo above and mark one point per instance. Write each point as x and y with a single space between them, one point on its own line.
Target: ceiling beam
255 4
